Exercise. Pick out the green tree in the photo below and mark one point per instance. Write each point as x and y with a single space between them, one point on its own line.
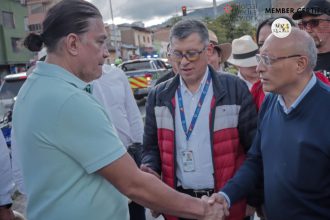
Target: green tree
231 25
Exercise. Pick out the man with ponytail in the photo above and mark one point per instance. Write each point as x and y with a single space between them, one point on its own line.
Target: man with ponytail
74 165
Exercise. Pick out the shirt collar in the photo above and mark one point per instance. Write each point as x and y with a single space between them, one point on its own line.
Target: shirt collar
55 71
307 88
184 87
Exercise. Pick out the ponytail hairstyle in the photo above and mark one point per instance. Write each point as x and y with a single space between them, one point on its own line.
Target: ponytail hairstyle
68 16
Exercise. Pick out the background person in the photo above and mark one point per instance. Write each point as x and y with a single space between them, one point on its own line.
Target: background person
172 72
243 58
315 20
113 91
6 182
220 54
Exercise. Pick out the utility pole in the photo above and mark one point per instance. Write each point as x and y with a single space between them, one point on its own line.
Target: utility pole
215 9
114 29
254 11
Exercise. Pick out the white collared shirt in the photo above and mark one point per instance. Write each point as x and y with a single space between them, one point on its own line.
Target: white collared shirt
113 91
6 177
307 88
199 141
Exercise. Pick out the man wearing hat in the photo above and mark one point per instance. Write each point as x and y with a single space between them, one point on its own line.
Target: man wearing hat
243 57
221 52
315 19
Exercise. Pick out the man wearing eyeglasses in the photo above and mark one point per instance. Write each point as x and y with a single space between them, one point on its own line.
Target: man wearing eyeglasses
292 147
199 124
315 19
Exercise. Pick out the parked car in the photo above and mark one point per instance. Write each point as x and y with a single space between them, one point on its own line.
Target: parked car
8 92
143 73
9 89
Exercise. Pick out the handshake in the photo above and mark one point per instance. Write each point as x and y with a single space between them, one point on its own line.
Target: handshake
216 207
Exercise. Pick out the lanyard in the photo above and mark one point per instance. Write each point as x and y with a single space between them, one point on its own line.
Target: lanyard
197 110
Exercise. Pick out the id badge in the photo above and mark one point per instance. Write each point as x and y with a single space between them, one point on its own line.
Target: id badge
188 160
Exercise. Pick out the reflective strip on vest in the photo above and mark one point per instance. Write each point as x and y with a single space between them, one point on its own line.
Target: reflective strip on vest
226 116
164 118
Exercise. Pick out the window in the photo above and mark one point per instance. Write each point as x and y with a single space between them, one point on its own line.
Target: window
140 65
36 8
8 19
10 88
16 44
35 27
144 39
160 64
26 24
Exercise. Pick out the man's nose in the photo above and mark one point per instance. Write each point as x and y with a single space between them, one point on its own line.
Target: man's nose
184 61
260 68
106 52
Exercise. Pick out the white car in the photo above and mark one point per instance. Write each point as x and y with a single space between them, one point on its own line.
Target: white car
9 90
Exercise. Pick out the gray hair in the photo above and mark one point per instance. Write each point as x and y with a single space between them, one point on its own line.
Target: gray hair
185 28
310 51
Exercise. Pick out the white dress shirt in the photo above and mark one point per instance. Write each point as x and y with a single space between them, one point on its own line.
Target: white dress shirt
199 141
16 164
113 91
6 178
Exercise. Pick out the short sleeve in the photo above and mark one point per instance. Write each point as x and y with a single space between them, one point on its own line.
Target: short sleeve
85 133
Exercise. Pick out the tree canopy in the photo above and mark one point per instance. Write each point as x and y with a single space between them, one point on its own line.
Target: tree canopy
231 25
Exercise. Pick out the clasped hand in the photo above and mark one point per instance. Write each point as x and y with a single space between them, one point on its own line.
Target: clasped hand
216 207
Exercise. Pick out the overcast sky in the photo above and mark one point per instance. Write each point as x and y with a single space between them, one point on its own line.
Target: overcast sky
149 11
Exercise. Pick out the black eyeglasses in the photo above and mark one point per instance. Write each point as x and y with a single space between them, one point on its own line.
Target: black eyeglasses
312 23
189 55
268 61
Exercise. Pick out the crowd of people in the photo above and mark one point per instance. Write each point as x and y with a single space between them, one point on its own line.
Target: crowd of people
213 145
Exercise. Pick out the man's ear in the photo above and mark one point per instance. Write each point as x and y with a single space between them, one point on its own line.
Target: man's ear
302 64
72 42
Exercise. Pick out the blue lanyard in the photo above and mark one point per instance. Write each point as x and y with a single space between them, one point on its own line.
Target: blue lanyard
197 110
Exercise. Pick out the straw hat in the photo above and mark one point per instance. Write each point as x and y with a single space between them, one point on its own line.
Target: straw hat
244 51
225 48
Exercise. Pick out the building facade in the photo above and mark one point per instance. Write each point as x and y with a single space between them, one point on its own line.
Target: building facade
139 37
37 10
13 29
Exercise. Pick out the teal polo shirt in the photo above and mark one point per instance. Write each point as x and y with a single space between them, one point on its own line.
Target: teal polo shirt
64 136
